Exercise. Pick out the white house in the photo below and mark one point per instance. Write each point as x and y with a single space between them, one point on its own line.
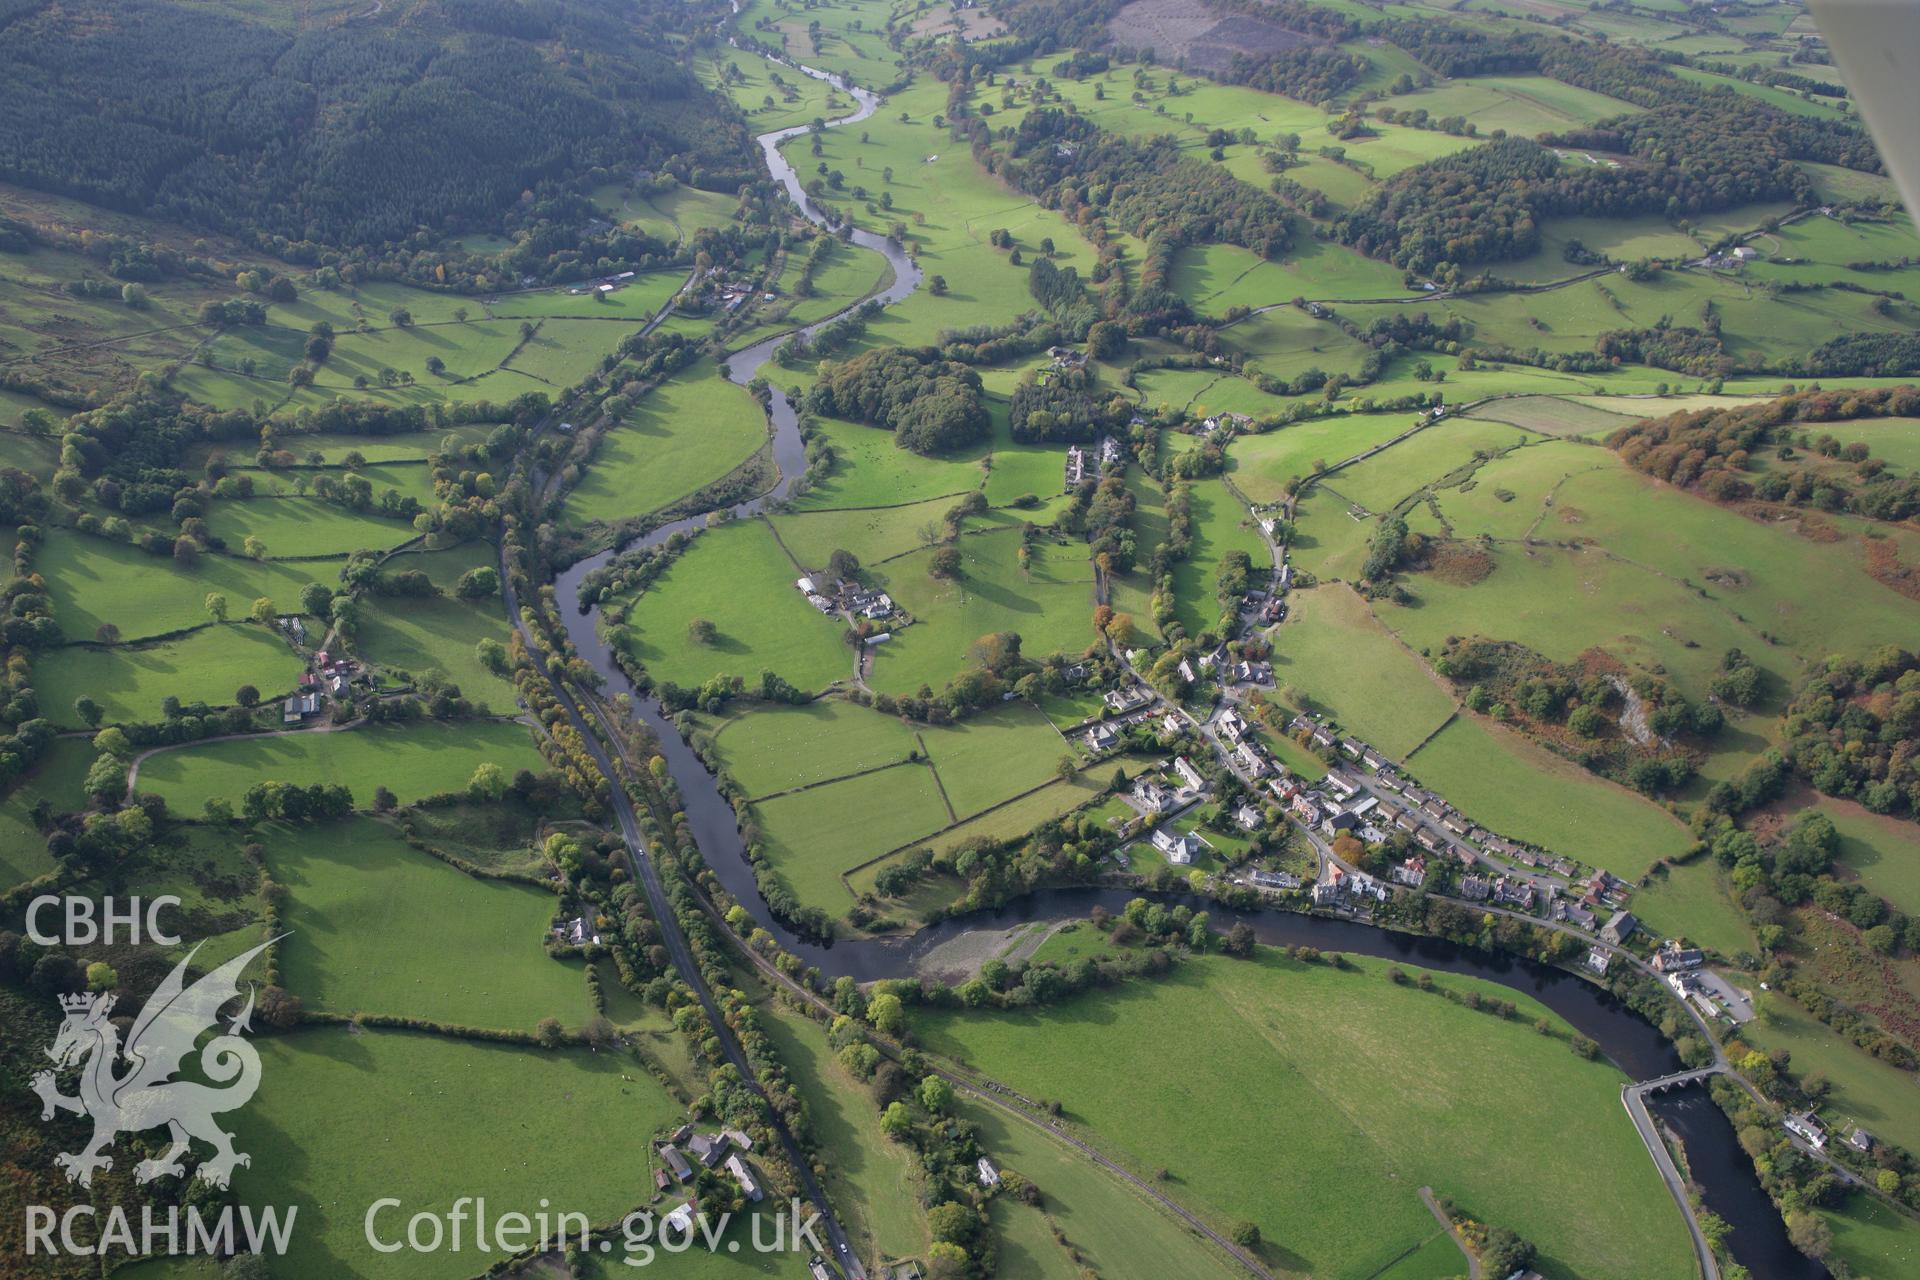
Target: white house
1179 850
1189 774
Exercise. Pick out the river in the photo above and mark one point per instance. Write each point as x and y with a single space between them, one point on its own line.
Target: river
1730 1186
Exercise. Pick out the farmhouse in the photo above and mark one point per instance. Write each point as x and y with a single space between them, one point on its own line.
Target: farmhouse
989 1176
749 1187
1860 1140
1807 1126
676 1163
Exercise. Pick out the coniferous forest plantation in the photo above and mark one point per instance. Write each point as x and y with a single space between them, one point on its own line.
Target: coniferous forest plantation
936 639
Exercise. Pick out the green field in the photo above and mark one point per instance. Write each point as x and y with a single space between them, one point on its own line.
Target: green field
1523 791
293 527
1261 465
779 748
1050 605
870 470
1214 277
344 1118
378 927
1333 651
1114 1227
1876 1095
813 836
684 434
413 762
873 534
59 781
1285 1082
738 578
829 827
128 683
1695 901
871 1179
1387 479
436 637
1220 525
94 582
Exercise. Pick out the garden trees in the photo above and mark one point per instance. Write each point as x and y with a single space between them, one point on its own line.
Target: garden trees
478 583
489 782
887 1014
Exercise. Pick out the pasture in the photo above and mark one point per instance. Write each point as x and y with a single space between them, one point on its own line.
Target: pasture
95 582
872 1180
1113 1227
870 470
1521 790
379 927
775 749
436 637
1261 465
1354 1099
352 1116
873 534
299 527
1333 653
1220 525
1555 416
683 435
1050 604
1215 277
58 780
738 578
1695 900
812 836
1388 479
129 682
1523 105
413 762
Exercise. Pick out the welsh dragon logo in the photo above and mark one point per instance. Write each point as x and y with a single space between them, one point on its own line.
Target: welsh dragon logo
144 1096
